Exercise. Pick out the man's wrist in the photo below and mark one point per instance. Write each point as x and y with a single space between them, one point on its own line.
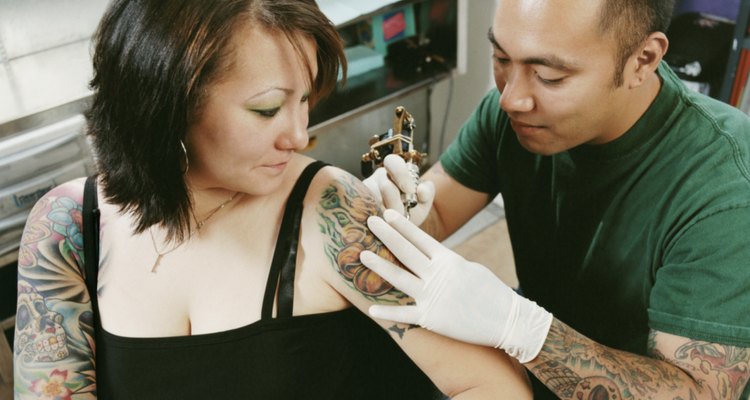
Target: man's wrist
527 329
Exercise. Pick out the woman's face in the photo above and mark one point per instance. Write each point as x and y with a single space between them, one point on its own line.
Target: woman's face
254 116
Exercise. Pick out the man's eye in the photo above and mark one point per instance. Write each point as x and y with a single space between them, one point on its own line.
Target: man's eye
305 98
550 81
268 113
502 60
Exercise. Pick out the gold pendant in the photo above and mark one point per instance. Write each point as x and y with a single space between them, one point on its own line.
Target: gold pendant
156 263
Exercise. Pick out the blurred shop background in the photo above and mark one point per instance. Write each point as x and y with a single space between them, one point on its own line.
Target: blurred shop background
430 56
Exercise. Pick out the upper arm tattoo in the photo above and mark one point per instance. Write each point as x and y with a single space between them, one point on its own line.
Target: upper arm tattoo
54 345
343 210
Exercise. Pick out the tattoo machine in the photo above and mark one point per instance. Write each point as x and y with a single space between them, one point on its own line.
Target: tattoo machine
398 140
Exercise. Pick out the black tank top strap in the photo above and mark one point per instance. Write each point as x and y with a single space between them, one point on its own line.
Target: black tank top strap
91 242
285 254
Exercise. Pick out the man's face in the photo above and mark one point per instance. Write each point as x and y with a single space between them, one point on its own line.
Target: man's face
556 74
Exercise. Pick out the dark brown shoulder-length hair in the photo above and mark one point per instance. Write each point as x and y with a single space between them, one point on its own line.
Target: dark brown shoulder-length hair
153 61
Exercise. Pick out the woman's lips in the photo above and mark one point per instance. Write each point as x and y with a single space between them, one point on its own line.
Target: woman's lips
279 166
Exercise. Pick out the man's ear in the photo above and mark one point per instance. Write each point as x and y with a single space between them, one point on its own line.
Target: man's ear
646 59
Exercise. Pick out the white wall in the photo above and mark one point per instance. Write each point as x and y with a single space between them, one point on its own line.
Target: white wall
471 86
44 53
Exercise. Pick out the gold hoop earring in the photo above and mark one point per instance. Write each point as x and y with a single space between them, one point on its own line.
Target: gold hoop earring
187 161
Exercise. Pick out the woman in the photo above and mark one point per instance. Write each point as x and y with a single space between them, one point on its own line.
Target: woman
224 264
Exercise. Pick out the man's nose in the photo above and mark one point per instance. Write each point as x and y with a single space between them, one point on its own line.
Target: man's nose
516 95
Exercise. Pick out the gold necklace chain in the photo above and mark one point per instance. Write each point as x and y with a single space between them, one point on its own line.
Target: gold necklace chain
198 226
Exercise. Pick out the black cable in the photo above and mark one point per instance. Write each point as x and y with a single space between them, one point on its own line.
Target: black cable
426 144
445 115
435 60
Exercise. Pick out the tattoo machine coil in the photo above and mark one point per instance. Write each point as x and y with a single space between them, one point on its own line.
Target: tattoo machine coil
397 140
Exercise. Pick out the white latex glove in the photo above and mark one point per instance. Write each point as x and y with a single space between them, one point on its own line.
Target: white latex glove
394 178
455 297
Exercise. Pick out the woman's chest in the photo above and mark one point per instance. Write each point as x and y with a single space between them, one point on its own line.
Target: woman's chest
199 289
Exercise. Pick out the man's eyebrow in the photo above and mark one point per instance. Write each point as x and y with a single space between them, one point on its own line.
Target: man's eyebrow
550 61
491 37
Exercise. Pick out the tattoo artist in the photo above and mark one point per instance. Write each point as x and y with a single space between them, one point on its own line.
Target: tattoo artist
627 199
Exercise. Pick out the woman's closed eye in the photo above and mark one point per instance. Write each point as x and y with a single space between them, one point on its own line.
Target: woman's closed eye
267 112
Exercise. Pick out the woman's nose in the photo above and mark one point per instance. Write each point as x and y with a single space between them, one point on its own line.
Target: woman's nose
295 136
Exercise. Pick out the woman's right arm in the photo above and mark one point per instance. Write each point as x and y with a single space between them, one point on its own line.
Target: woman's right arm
458 369
54 339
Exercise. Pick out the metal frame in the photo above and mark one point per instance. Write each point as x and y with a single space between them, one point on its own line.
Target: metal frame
740 42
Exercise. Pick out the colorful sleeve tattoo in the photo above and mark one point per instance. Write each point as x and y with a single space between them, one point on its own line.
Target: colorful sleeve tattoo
54 336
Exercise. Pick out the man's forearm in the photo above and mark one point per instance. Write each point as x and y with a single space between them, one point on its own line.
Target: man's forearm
575 367
433 225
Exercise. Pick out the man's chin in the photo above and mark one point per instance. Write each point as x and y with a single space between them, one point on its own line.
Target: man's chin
540 148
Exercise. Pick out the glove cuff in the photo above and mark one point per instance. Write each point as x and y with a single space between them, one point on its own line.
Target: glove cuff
526 329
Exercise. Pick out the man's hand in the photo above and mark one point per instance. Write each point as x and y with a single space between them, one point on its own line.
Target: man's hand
387 184
455 297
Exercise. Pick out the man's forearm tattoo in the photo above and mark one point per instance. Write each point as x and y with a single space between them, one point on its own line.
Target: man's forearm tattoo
574 367
727 366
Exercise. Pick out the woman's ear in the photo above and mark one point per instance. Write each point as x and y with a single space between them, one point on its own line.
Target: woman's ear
647 58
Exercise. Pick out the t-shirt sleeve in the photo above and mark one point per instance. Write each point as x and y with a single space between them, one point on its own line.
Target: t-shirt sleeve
472 158
702 290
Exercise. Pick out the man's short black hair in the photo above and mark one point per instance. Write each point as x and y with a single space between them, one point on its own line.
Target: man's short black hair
629 22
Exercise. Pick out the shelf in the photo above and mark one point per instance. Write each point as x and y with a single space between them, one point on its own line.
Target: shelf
364 89
360 107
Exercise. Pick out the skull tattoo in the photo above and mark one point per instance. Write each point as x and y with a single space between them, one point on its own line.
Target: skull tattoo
39 333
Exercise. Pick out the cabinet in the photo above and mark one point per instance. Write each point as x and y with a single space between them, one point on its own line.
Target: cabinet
412 63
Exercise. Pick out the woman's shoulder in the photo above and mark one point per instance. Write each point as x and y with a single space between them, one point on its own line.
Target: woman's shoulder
326 172
53 231
59 210
72 189
336 187
66 198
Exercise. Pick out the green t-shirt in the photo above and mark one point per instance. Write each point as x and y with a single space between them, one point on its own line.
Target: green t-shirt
650 230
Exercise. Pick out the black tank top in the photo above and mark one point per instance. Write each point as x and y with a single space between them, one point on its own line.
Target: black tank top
335 355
